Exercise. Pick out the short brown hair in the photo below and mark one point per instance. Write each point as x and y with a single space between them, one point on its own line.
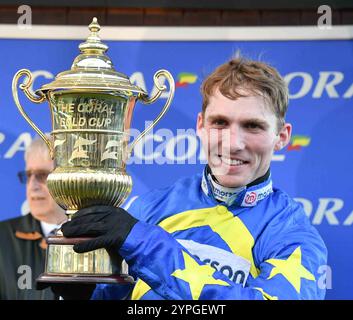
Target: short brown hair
256 77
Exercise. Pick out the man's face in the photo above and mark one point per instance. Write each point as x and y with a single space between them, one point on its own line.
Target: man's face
239 137
40 202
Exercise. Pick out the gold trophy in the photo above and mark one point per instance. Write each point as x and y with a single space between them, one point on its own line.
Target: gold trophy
91 109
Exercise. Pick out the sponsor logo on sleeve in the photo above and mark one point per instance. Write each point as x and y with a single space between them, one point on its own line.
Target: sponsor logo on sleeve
236 268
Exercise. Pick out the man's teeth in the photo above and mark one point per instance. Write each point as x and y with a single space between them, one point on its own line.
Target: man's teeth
233 162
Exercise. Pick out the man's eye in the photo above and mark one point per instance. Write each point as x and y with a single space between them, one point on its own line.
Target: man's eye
28 174
252 125
219 122
42 176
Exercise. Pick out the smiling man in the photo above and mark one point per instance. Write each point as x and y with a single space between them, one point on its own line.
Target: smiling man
226 233
240 136
22 239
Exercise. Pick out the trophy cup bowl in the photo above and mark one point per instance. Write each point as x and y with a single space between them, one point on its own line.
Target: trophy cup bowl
91 109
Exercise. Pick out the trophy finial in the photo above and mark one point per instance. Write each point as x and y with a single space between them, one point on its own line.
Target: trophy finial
94 26
93 68
93 41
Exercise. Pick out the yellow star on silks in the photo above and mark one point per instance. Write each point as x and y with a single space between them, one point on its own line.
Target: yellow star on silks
292 269
197 276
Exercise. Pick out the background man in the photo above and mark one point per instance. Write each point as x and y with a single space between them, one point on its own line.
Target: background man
22 239
225 233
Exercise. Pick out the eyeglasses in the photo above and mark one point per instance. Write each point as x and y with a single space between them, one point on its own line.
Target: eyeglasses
40 176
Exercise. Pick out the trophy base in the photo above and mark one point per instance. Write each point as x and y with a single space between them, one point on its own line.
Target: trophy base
64 265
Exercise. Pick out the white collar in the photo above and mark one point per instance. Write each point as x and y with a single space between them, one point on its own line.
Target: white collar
243 196
48 227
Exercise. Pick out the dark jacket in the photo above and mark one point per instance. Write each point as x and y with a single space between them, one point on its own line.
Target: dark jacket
22 259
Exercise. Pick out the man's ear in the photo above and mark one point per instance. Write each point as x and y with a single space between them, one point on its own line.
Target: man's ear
284 136
199 124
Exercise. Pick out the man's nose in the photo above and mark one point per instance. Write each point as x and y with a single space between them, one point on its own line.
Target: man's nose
32 182
234 139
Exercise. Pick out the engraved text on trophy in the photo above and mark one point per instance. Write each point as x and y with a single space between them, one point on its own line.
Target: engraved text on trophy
89 130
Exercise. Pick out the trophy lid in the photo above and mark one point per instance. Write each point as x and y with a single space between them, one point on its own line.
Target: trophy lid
93 70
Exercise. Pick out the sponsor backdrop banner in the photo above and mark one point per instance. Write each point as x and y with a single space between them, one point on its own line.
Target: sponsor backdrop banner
316 167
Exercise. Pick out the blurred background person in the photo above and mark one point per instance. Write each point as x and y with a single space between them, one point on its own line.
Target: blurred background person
22 239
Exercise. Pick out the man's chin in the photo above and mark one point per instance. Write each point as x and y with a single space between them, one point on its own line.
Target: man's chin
38 214
232 182
228 178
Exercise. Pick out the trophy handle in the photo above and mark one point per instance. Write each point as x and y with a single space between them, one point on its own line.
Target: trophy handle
36 99
148 100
